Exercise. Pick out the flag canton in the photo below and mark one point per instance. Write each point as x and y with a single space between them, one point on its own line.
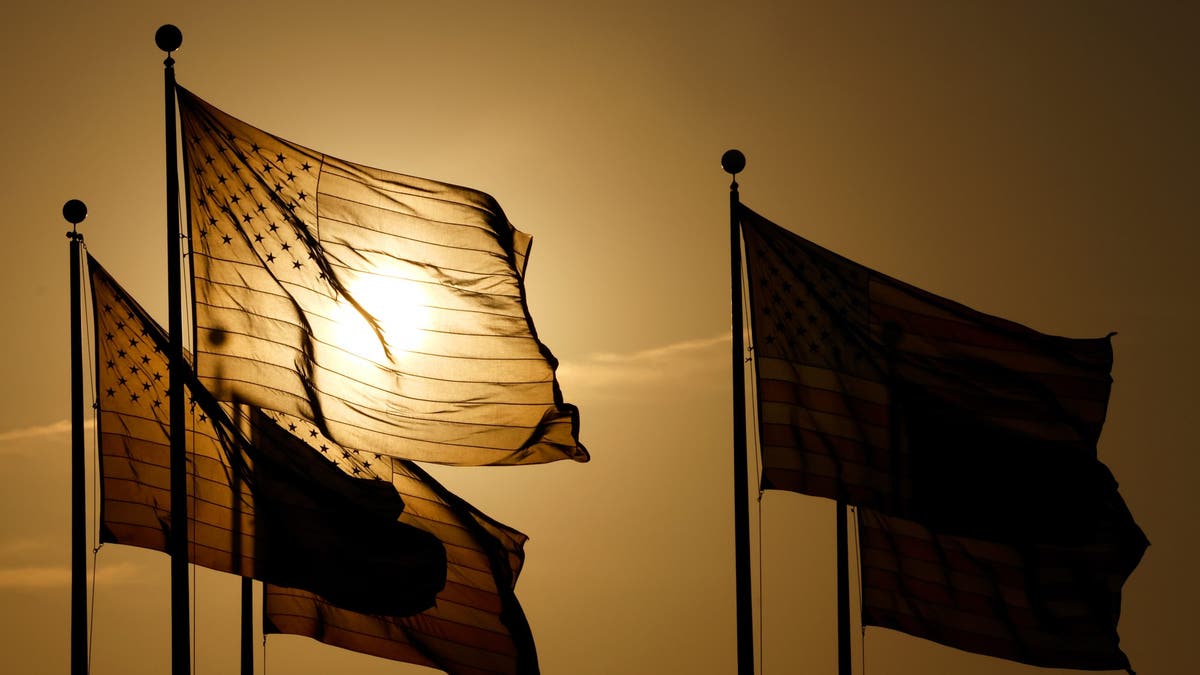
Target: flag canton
358 463
134 375
809 307
256 197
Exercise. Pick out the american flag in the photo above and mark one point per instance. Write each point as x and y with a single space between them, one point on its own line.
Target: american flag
388 309
134 431
963 437
475 624
855 370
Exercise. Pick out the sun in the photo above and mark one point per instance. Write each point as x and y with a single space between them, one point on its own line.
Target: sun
399 309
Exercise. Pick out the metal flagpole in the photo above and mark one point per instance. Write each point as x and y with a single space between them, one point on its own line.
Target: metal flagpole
239 489
74 211
845 667
247 626
168 38
733 161
247 617
239 562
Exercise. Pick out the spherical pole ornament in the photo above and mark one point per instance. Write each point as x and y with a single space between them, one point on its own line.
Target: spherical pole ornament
733 161
74 211
168 38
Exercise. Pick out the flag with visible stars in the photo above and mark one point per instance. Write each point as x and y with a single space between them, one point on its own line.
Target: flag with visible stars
389 310
925 411
373 554
259 504
861 377
477 626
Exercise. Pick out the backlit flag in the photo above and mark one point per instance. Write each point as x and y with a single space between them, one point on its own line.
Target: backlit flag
274 510
369 537
476 627
388 309
880 394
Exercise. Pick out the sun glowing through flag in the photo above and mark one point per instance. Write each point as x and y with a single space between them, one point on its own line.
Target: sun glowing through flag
389 310
397 328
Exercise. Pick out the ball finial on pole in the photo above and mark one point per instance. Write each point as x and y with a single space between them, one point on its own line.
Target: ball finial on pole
733 161
74 211
168 37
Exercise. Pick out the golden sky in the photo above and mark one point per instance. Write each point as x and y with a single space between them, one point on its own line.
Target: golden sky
1035 160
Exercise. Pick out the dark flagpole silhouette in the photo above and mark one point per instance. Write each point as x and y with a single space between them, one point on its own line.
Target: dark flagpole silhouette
843 590
246 641
247 628
169 38
74 211
733 161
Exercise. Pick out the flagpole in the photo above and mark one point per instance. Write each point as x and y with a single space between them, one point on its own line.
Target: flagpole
733 161
247 588
845 667
168 38
74 211
247 626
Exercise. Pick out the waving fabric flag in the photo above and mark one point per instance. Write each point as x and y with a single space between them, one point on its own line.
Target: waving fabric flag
848 357
272 510
477 627
365 552
927 412
388 309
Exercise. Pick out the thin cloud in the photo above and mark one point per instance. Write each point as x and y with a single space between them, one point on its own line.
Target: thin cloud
41 577
43 431
674 350
695 361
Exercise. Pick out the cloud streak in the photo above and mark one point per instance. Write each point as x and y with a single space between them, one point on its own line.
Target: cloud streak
42 577
695 362
60 427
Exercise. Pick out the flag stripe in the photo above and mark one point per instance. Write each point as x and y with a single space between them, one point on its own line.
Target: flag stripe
823 400
330 322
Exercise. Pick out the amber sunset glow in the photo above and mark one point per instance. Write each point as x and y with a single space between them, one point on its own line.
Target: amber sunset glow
1033 160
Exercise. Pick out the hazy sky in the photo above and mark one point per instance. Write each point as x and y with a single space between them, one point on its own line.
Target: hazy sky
1035 160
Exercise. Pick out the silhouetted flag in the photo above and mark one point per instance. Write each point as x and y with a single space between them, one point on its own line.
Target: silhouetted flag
876 392
477 626
388 309
847 358
1041 604
273 509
